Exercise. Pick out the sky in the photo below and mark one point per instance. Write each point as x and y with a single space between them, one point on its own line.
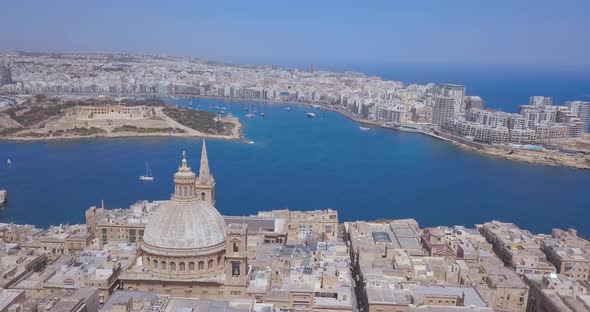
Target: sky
283 32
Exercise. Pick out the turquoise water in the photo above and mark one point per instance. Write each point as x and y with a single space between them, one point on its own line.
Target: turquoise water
297 163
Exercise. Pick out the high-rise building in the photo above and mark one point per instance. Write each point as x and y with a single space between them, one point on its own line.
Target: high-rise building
443 110
540 100
581 110
456 92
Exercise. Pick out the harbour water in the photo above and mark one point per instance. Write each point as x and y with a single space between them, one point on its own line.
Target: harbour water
297 163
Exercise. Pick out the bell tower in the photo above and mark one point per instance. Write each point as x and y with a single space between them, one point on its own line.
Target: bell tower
205 183
236 264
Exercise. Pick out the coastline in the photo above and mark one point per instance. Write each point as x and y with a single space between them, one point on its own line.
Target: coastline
236 133
536 157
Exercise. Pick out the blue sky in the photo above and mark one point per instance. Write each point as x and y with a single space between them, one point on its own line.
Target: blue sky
418 31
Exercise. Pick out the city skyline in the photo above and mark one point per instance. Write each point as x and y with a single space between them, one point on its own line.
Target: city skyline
326 34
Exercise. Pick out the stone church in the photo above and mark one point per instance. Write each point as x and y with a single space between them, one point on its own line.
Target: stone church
187 249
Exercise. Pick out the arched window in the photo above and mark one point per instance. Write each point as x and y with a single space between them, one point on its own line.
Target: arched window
163 265
185 191
236 249
201 265
210 264
191 265
147 261
156 264
181 266
218 260
203 196
172 266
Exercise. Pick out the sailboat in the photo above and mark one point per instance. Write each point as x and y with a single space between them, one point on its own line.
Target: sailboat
148 173
8 162
250 115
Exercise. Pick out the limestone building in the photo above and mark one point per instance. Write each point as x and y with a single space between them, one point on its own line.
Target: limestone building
187 248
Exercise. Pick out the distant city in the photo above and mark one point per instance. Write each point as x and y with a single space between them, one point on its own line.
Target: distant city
539 132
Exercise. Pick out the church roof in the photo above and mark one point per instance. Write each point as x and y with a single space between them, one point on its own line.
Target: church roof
185 225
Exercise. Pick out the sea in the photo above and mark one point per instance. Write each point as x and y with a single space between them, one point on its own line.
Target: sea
299 163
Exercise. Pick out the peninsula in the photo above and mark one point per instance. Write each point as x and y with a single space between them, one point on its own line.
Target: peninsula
44 118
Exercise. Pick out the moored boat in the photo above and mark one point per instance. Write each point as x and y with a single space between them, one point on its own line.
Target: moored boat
148 173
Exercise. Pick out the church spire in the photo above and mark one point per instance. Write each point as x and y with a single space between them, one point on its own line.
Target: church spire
205 184
204 172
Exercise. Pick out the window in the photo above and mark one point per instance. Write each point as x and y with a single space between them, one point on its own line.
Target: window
181 266
236 249
147 261
172 266
235 293
163 265
156 264
210 264
218 260
235 268
201 265
203 196
191 265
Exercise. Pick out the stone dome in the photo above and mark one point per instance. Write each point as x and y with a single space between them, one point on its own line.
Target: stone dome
185 225
190 227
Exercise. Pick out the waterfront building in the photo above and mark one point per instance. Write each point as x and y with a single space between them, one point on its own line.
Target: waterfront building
456 92
473 102
443 110
540 100
421 114
581 110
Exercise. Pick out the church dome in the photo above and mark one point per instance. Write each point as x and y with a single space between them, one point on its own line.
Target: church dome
183 225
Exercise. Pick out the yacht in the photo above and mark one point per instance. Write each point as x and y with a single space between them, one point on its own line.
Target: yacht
310 115
148 173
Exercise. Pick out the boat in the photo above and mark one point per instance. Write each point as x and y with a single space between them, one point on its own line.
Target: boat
250 142
148 173
288 109
190 103
262 114
316 106
310 115
8 162
364 128
250 115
